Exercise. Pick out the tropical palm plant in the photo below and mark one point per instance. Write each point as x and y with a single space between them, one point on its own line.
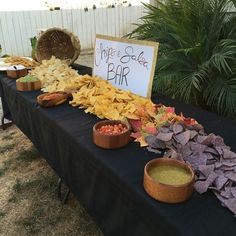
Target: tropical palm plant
197 53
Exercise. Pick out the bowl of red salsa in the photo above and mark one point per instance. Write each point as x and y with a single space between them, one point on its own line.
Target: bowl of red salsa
110 134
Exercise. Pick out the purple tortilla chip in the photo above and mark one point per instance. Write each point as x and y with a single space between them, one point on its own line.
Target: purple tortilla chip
197 147
231 204
220 182
227 154
153 142
177 128
218 141
219 150
172 153
201 138
228 162
222 199
226 168
164 129
234 169
208 140
212 151
186 150
206 170
226 193
218 164
193 133
193 160
198 127
219 172
231 175
164 136
183 138
200 176
202 186
233 191
211 162
153 150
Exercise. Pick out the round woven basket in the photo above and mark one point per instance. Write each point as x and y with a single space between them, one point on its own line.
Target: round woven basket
59 43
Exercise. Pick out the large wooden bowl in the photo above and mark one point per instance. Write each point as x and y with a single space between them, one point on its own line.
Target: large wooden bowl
111 141
164 192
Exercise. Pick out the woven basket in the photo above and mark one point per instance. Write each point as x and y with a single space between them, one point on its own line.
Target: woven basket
59 43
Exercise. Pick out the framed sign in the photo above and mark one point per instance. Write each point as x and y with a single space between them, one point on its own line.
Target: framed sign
126 63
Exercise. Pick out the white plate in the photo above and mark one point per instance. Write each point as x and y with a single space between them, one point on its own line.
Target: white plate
4 66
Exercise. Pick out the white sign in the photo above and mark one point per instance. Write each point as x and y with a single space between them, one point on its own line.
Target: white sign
126 63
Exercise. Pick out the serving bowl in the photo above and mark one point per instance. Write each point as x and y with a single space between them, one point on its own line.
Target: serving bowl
28 86
16 71
52 99
168 193
111 141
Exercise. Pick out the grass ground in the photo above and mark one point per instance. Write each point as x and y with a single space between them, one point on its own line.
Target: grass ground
28 199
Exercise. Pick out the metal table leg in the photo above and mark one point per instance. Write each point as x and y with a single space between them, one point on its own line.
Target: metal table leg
62 196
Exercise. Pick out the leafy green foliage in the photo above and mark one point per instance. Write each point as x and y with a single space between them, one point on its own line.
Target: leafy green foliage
197 53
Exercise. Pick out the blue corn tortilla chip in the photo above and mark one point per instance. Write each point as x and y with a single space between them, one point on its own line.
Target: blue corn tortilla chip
178 128
183 138
164 136
220 181
227 154
231 204
202 186
193 134
218 164
228 163
198 148
233 191
211 150
231 175
153 150
164 129
153 142
206 169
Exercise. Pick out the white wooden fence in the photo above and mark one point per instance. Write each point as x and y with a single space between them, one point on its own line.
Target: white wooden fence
16 28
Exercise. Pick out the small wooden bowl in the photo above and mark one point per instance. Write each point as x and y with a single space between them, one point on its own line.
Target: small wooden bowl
111 141
28 86
164 192
15 72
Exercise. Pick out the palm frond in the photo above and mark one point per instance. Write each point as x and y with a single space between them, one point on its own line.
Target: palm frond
197 54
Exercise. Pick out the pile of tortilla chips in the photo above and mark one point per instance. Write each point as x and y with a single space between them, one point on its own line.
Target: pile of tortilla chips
54 74
99 97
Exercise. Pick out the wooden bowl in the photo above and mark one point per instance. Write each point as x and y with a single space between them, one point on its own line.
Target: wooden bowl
111 141
52 99
28 86
164 192
15 72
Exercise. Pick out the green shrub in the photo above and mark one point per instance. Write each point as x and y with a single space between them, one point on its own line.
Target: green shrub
197 53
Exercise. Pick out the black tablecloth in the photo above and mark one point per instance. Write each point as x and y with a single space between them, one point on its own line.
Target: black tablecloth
109 182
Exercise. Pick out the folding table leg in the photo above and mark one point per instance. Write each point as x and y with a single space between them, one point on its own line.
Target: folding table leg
62 196
3 125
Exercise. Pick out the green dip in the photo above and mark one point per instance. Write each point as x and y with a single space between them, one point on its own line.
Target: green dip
171 175
28 78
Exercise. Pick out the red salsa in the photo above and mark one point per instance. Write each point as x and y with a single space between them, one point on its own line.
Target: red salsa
112 129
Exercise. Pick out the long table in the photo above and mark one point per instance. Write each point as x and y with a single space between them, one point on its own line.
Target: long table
109 183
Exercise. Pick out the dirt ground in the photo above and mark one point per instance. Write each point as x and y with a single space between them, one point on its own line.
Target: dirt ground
28 196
